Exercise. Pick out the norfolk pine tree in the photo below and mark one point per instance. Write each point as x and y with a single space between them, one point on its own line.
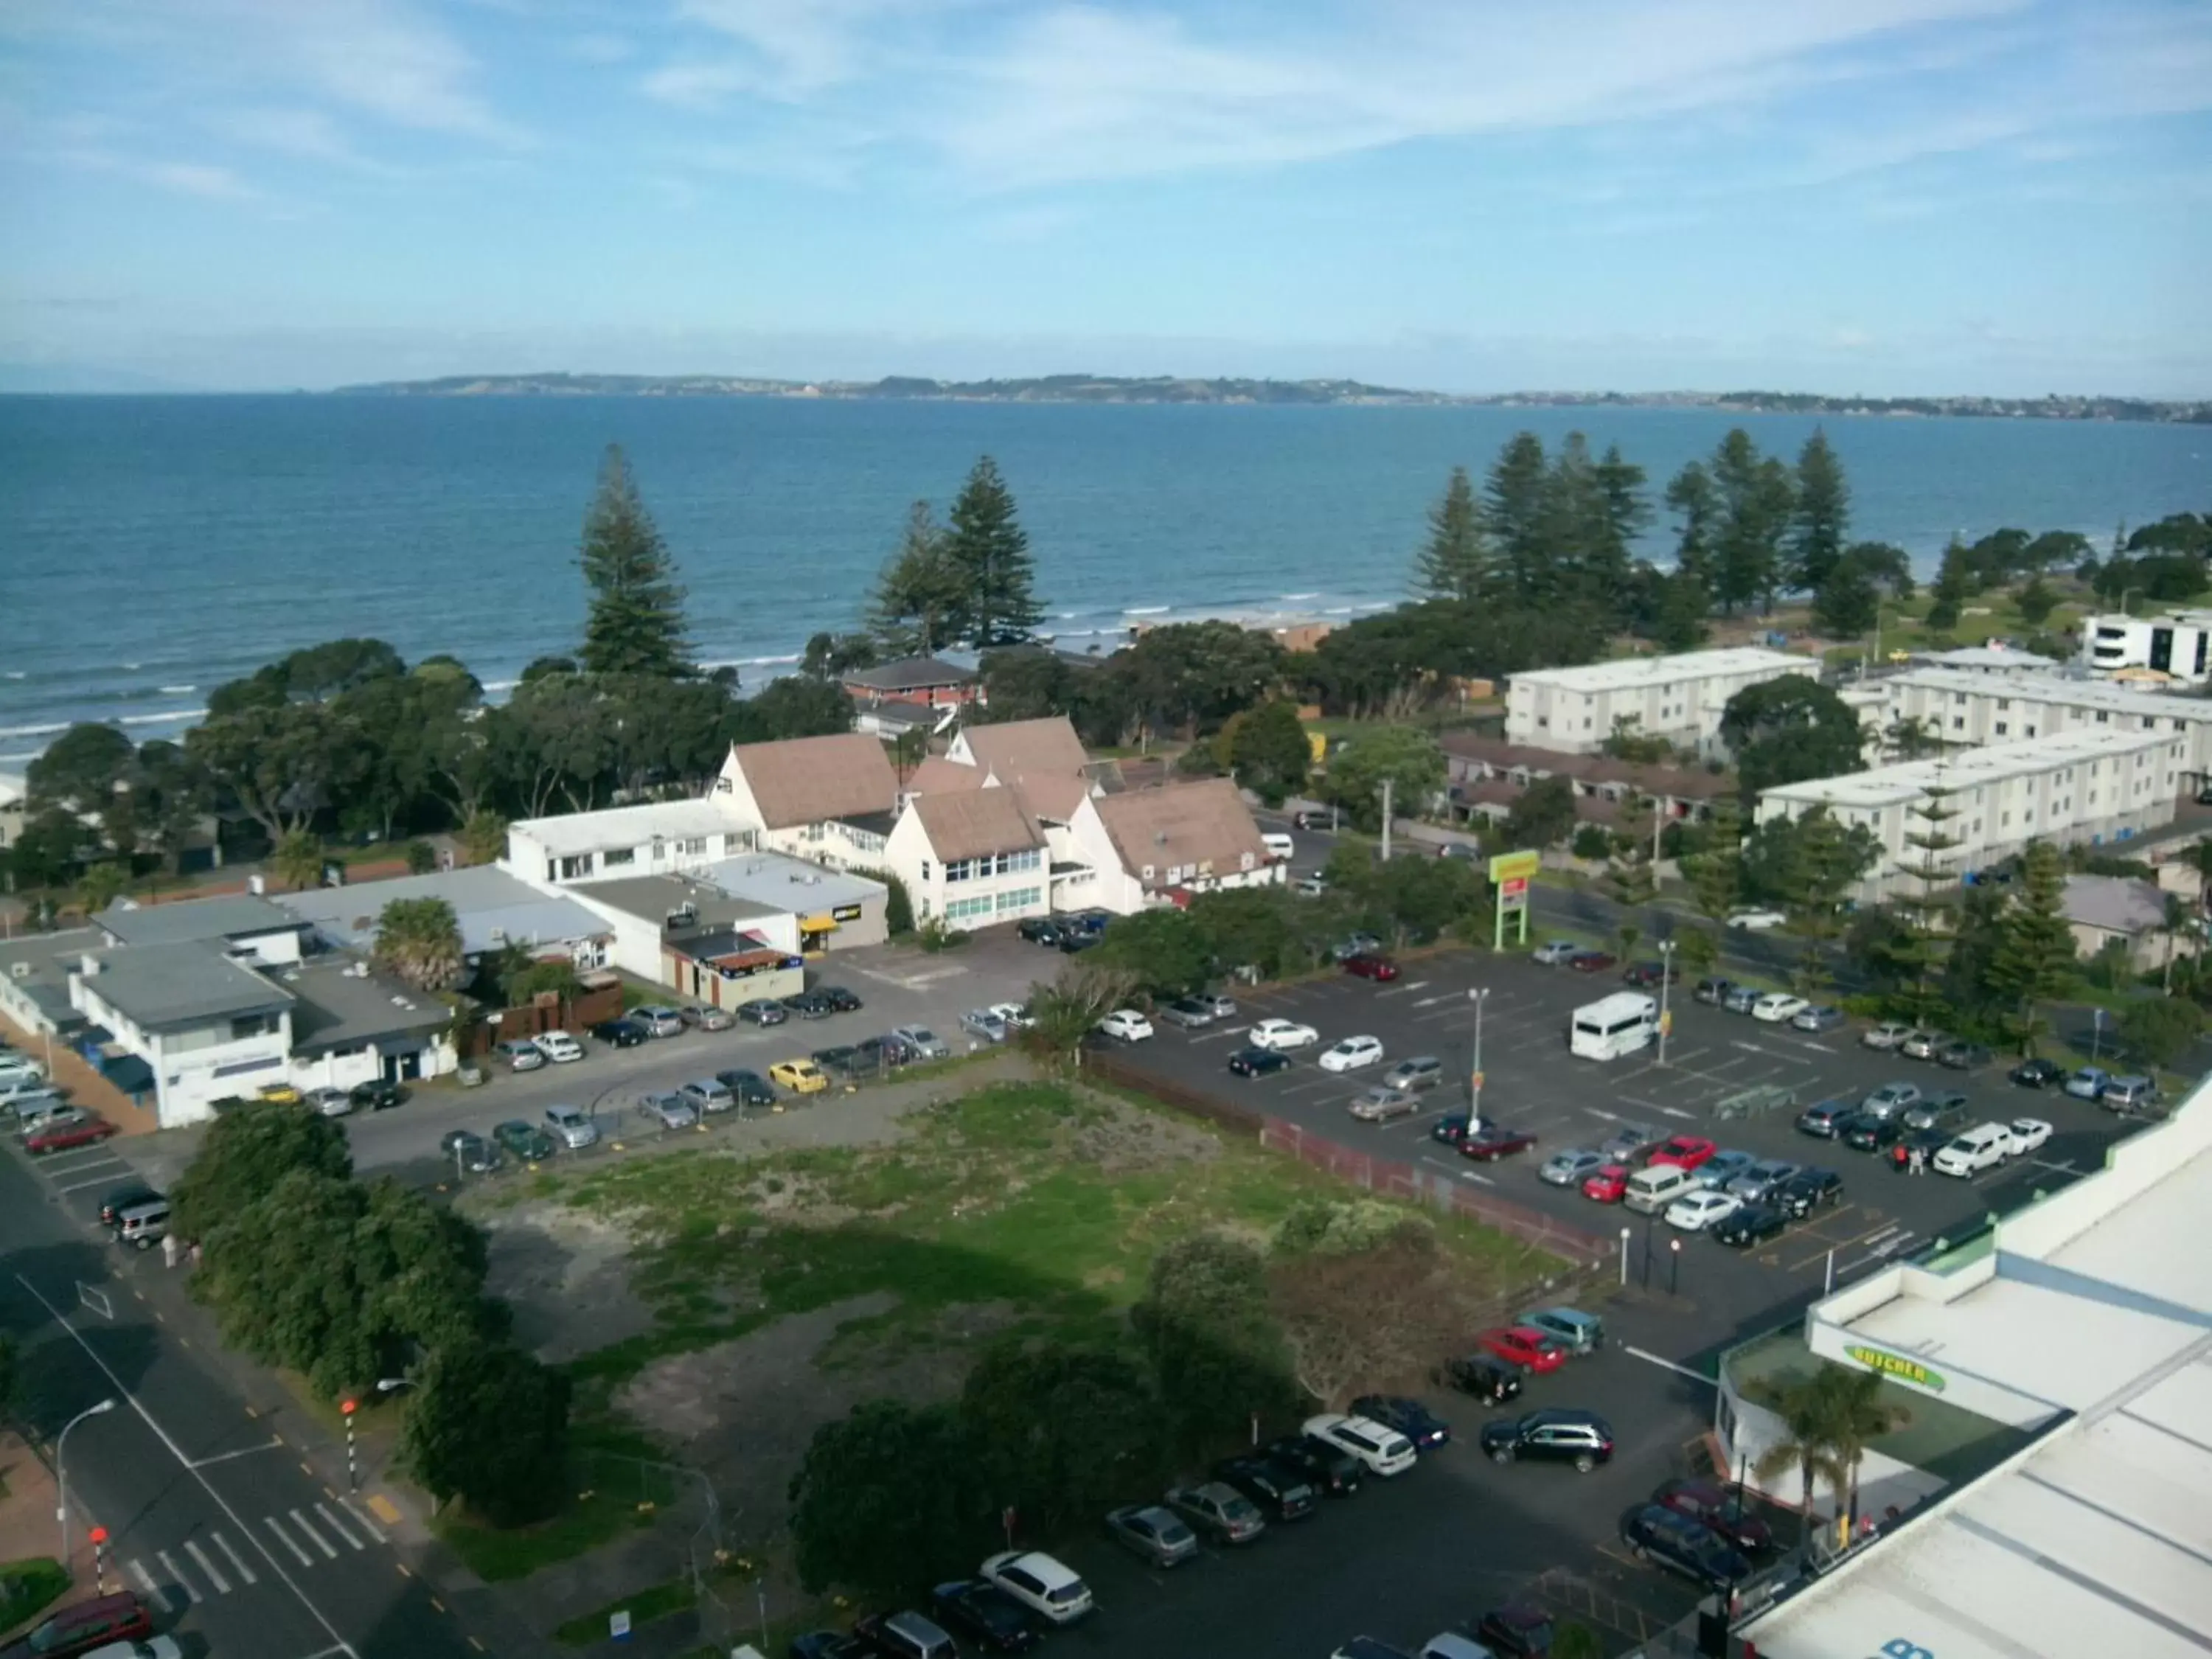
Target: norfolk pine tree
2034 959
988 552
1454 562
636 623
1930 911
1821 516
919 592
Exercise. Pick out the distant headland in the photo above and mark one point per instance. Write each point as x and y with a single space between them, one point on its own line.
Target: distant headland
1176 389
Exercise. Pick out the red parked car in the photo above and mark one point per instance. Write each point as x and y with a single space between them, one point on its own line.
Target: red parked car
1367 965
1494 1141
1516 1345
1593 961
1609 1185
66 1129
1686 1151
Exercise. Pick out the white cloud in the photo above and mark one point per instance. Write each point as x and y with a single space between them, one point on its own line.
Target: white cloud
203 180
309 134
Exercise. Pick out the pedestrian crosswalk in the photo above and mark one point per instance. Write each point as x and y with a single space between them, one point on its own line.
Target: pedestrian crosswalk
210 1564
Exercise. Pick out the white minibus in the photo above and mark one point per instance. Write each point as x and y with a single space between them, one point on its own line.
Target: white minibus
1614 1026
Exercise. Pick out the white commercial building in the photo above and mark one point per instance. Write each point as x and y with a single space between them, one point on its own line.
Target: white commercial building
2095 785
972 857
1959 708
656 838
2083 1325
1678 698
2179 643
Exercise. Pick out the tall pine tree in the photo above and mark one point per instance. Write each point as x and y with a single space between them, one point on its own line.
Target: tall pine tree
1756 495
1929 911
2034 962
1454 564
636 623
1692 499
988 552
918 593
1821 516
1515 501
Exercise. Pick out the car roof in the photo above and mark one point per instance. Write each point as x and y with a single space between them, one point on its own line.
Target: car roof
1052 1571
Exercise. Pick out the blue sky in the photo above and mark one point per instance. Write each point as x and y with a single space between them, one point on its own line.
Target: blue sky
1881 196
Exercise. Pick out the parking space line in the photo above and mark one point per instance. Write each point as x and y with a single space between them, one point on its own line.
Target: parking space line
1403 990
97 1181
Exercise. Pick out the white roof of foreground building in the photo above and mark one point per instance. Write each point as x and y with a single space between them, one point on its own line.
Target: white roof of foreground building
2091 1315
1624 673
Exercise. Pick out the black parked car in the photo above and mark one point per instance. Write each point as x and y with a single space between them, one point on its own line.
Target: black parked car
621 1033
1582 1438
1806 1191
1720 1508
1484 1375
1073 940
839 1059
1713 990
2038 1074
1258 1062
377 1097
1409 1416
1282 1493
1654 1533
841 1001
826 1644
1754 1223
1865 1133
1330 1471
991 1618
809 1005
1040 930
1515 1632
747 1088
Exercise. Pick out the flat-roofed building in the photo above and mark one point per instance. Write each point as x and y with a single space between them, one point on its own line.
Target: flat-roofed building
1680 698
1958 706
2097 787
2177 644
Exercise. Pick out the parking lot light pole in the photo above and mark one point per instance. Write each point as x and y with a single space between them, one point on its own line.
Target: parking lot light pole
61 1470
1478 997
1674 1265
1666 978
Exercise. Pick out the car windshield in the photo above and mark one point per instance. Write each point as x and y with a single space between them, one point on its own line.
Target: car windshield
920 1033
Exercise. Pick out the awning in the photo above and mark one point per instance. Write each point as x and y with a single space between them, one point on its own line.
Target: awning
130 1075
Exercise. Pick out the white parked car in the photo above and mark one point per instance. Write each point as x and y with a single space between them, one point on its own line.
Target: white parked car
1886 1036
1553 952
1693 1213
571 1128
1127 1025
1040 1583
1776 1006
561 1049
329 1103
1757 921
1382 1451
2028 1135
1349 1054
1982 1147
1380 1105
1014 1016
1282 1034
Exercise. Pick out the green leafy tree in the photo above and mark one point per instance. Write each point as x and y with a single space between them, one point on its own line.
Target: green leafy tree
1788 730
422 858
247 1151
1194 675
1408 759
1929 911
286 1285
1268 929
1846 603
50 850
898 904
1164 951
1269 752
1454 562
298 860
1830 861
988 552
1907 738
489 1425
2157 1030
891 1498
1592 842
1809 1445
791 708
1515 501
1544 816
280 764
1065 1432
919 592
1217 1355
419 940
1063 1013
82 770
636 622
170 797
1699 950
483 837
1028 683
2033 962
100 885
1819 515
1630 877
2037 601
1695 501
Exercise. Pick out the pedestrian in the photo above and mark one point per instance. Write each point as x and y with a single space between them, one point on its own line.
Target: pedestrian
169 1249
1919 1165
196 1255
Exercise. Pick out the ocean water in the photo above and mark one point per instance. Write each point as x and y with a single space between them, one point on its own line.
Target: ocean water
151 548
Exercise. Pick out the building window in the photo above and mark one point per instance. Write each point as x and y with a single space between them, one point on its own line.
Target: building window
959 870
249 1025
2001 728
963 910
1958 722
575 868
693 846
2004 703
2028 731
1020 899
616 856
2103 716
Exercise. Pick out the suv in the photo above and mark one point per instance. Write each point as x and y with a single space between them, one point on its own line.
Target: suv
659 1021
1411 1076
1654 1532
1582 1438
1712 988
531 1145
1825 1119
1485 1376
1282 1493
904 1636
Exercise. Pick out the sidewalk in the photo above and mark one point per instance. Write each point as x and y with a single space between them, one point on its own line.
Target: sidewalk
28 1530
84 1086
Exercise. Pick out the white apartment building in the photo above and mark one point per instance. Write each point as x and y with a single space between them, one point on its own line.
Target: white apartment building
1961 707
971 858
208 1026
1680 698
2092 786
2179 643
658 838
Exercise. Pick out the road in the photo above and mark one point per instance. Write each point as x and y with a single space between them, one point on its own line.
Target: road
218 1525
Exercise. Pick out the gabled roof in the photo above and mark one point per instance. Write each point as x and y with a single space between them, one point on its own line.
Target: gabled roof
1019 747
2115 903
913 674
1202 826
815 780
1051 795
937 775
975 822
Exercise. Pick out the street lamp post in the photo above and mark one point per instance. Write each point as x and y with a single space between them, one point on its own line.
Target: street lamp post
1666 978
61 1470
1478 997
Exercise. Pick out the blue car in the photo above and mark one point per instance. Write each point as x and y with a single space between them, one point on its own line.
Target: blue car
2087 1083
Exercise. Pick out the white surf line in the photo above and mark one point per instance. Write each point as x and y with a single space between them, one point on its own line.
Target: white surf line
225 1457
1669 1364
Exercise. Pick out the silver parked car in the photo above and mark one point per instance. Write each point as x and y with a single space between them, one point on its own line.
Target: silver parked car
924 1043
707 1095
982 1023
1570 1169
1152 1533
329 1103
670 1111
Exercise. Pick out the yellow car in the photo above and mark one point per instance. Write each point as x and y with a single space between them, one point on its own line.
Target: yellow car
801 1077
279 1094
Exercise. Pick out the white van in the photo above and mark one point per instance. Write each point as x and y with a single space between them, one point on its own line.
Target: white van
1278 844
1614 1026
1652 1190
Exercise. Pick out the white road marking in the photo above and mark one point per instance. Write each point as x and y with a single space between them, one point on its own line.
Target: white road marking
1669 1364
1600 1111
316 1538
177 1576
285 1538
336 1525
1402 990
236 1560
361 1519
1470 1174
1674 1111
243 1451
222 1585
97 1181
1431 1002
154 1591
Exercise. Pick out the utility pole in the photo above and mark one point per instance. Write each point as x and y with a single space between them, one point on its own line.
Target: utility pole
1387 784
1666 980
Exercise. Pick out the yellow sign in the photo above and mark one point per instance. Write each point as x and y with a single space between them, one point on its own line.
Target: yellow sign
1897 1365
1318 742
1515 867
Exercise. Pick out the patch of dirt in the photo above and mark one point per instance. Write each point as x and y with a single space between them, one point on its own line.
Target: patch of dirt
1121 1139
565 1273
745 1410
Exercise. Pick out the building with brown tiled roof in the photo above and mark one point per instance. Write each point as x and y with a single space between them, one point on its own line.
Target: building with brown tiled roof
1485 776
1160 846
1010 750
971 857
832 799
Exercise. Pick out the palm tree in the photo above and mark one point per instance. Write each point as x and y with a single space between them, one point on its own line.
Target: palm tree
298 860
419 940
1807 1411
1857 1415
